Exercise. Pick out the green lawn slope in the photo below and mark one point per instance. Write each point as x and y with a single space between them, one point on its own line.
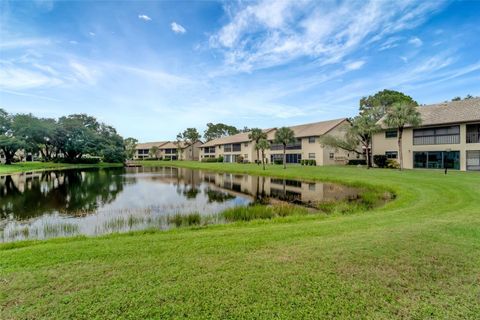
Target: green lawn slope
418 257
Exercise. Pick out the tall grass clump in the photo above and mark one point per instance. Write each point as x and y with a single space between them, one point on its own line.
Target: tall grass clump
185 220
262 212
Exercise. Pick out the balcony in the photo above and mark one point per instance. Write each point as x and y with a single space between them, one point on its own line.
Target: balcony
437 139
473 137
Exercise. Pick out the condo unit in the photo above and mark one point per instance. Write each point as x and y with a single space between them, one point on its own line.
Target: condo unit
171 150
449 137
307 146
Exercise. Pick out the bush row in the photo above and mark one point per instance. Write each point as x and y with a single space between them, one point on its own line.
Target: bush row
308 162
382 161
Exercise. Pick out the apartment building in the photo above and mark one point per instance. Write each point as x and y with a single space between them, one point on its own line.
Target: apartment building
449 136
306 146
171 150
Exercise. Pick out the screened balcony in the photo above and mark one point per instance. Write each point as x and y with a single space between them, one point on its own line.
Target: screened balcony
440 135
473 133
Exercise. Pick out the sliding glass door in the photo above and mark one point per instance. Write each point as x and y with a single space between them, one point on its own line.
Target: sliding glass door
437 159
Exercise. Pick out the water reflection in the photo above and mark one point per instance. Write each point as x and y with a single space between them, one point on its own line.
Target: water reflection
100 201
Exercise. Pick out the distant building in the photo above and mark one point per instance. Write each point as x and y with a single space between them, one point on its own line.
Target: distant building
168 150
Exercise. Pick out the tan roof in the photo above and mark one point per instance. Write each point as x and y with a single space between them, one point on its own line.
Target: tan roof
236 138
172 145
449 112
316 128
148 145
304 130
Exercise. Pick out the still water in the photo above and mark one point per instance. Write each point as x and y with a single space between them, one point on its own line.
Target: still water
90 202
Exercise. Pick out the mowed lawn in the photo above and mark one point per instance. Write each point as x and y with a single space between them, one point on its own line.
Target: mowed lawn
418 257
36 166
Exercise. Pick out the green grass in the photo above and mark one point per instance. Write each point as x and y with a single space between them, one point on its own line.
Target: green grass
417 257
39 166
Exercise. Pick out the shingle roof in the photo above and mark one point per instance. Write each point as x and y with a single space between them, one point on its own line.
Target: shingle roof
448 112
236 138
304 130
148 145
316 128
172 145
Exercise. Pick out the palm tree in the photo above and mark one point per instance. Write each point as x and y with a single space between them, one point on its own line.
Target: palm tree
255 135
262 145
284 136
398 116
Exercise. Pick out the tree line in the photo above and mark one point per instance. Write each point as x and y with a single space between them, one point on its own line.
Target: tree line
70 138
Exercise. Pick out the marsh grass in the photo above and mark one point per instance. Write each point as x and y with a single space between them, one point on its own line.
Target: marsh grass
262 212
185 220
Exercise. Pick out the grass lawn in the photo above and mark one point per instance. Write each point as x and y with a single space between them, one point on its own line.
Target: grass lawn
417 257
36 166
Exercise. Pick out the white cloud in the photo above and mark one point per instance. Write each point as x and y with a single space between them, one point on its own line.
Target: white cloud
24 43
17 78
272 33
177 28
92 34
73 42
417 42
144 17
355 65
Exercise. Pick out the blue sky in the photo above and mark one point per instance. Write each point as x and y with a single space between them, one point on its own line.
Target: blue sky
152 68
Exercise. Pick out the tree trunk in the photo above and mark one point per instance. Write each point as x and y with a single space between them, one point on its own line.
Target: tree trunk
263 159
8 156
284 157
258 155
400 150
367 154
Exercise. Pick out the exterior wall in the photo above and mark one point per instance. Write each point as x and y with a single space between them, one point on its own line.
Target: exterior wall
380 145
191 152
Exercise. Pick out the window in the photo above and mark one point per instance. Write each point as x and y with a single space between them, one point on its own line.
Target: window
437 159
440 135
391 154
311 139
245 144
227 148
209 150
291 146
236 147
291 158
311 186
331 155
311 156
391 133
245 156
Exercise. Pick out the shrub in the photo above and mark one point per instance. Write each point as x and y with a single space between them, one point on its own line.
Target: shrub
278 161
380 160
220 159
302 162
393 164
240 159
356 162
210 160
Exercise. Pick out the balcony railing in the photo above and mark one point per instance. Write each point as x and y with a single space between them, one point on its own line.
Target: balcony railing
438 139
473 137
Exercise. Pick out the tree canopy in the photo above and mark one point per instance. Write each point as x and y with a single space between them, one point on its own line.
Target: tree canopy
378 103
219 130
69 138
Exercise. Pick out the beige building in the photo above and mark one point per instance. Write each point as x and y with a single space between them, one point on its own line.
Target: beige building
306 146
449 136
168 150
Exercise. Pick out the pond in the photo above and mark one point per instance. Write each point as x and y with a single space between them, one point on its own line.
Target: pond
50 204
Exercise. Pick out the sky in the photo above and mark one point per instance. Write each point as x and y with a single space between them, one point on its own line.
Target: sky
153 68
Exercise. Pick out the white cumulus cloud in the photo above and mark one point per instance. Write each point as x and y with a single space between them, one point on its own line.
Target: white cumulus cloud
177 28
